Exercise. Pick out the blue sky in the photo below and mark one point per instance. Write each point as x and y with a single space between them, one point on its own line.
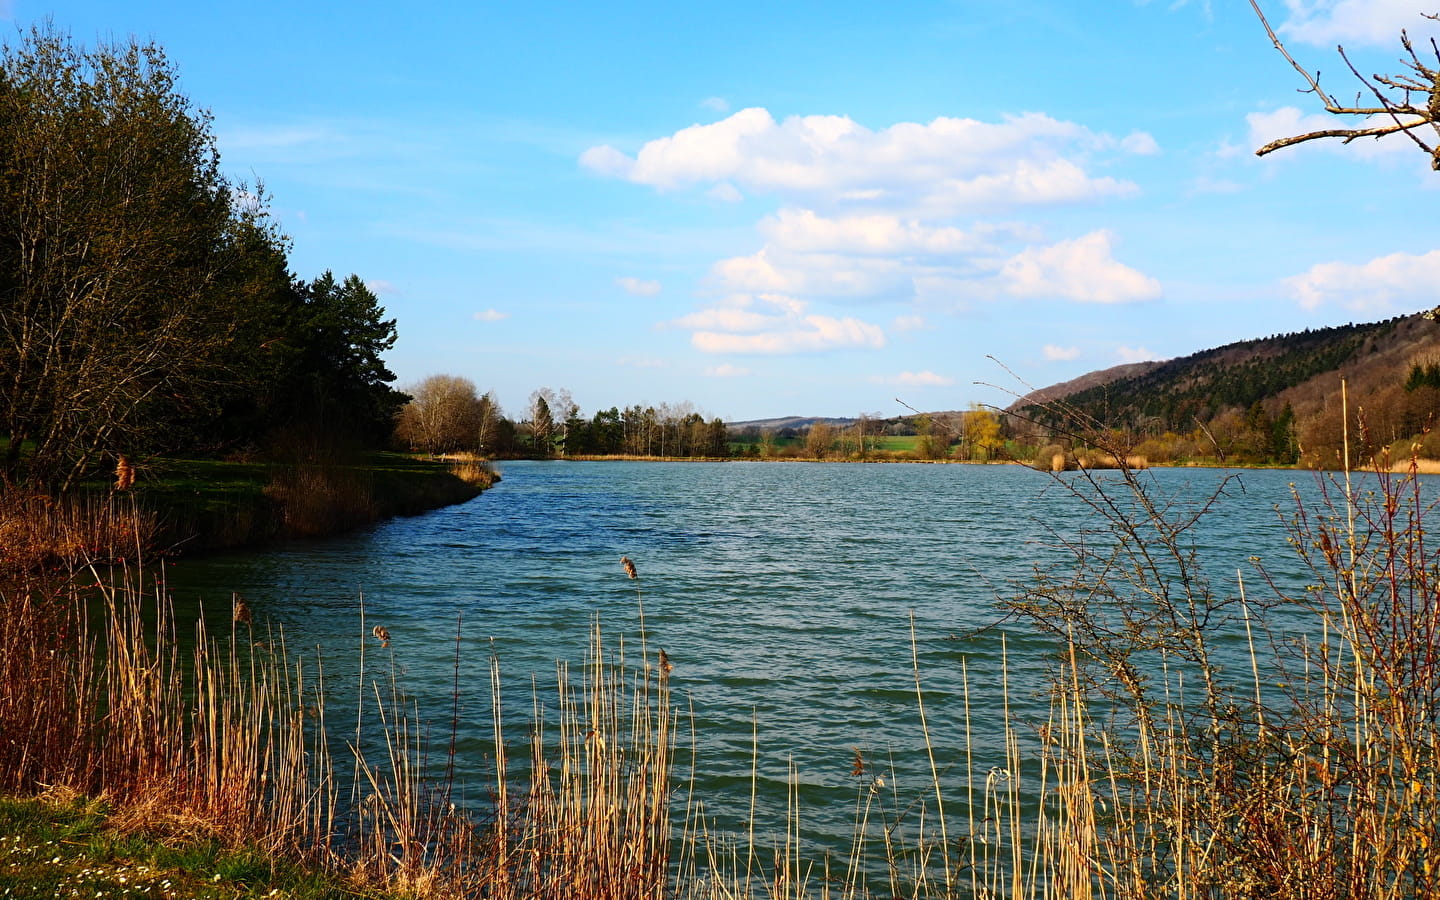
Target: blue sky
769 209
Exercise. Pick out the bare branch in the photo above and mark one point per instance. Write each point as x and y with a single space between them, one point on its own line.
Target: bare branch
1405 116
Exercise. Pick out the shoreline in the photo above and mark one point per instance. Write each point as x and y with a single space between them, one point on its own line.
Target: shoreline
196 507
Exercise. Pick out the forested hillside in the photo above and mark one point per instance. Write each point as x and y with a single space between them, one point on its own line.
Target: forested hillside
1275 399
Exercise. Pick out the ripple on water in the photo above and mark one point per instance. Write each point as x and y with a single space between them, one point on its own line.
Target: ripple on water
783 594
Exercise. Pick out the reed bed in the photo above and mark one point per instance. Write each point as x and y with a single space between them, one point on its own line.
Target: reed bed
473 469
38 531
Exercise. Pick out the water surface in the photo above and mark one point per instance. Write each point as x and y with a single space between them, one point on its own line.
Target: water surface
784 593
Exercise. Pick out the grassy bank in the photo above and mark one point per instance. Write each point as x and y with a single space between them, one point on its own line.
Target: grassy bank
188 506
61 845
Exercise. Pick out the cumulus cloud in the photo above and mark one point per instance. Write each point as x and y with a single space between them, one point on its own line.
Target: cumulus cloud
1081 269
1134 354
803 230
725 192
949 163
816 274
606 160
1326 23
903 212
1140 143
1056 353
639 287
915 379
1375 286
726 371
774 324
491 315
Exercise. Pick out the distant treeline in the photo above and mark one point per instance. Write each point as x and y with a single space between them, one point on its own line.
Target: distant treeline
446 414
146 300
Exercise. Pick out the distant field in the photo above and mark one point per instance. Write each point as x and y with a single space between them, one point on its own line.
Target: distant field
883 444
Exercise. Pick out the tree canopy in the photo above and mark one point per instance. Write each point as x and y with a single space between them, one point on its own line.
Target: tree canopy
146 301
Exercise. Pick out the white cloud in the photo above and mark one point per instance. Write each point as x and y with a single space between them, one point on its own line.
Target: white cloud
726 371
1134 354
774 324
639 287
1080 269
823 274
915 379
868 215
725 192
491 315
1140 143
802 230
606 160
1325 23
718 104
1056 353
1376 286
382 288
948 164
909 323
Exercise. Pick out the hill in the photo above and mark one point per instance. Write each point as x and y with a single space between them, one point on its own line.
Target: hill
1278 398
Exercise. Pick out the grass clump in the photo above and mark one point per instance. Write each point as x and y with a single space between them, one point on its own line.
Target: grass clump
65 846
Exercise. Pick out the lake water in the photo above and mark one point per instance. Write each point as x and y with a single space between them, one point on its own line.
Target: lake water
783 593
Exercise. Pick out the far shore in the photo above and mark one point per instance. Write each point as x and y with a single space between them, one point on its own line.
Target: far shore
1418 466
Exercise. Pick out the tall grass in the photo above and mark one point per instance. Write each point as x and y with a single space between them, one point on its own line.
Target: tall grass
39 531
230 741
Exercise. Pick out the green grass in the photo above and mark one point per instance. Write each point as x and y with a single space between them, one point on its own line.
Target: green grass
215 504
63 850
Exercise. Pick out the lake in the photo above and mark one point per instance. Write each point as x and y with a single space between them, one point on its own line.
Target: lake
784 594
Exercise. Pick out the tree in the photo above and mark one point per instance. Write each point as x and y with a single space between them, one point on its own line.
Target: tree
542 424
982 433
934 442
719 439
121 249
443 415
607 432
489 426
819 440
345 385
1395 110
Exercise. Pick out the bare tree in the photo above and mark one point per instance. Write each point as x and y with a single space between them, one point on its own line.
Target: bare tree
819 440
1407 104
443 415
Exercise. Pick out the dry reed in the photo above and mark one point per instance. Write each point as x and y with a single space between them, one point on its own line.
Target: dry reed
38 531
